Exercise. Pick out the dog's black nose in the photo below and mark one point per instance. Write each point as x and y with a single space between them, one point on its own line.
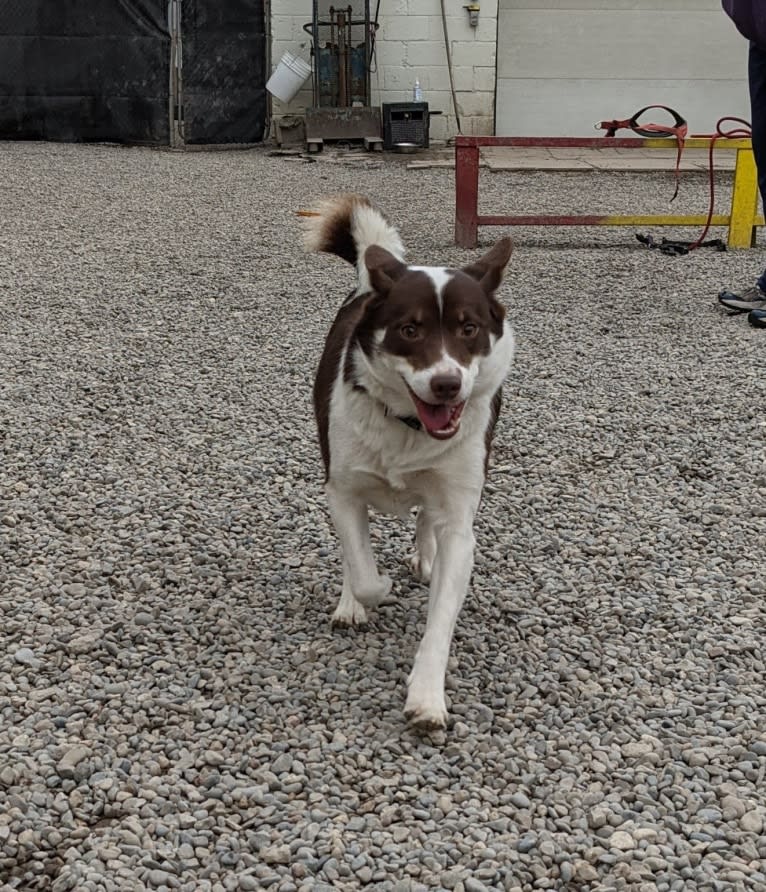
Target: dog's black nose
445 387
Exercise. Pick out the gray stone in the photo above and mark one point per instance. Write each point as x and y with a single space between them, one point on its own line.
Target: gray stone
622 841
26 656
279 854
68 763
752 822
709 815
585 872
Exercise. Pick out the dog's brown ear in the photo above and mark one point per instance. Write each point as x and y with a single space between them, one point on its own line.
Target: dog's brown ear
383 267
488 270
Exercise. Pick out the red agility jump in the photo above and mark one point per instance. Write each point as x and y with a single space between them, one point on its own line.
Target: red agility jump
741 221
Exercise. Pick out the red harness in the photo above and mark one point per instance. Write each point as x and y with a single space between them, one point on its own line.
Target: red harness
649 130
680 131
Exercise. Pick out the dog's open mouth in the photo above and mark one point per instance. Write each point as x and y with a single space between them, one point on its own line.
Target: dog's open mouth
440 420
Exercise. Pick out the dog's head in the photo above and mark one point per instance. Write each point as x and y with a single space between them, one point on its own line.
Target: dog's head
428 332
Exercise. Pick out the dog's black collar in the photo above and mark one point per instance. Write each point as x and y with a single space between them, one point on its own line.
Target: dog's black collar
410 420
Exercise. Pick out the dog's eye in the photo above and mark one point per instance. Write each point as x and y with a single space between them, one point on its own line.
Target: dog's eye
469 329
409 331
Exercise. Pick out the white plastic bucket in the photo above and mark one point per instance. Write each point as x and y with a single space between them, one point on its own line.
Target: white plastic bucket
289 76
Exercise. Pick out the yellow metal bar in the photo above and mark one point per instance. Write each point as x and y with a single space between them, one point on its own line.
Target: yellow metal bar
744 201
694 142
663 220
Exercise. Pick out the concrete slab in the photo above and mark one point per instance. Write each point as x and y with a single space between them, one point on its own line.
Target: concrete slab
527 163
430 164
509 158
498 158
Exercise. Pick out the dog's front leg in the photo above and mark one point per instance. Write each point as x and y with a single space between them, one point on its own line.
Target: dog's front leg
363 586
426 707
422 561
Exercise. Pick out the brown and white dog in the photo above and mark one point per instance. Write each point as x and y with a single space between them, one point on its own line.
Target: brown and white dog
406 398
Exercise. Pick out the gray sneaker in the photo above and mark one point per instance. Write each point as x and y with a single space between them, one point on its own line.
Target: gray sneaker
753 298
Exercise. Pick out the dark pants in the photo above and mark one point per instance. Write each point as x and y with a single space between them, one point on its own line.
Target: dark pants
757 80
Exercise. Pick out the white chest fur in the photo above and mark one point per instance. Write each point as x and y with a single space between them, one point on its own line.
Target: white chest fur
393 466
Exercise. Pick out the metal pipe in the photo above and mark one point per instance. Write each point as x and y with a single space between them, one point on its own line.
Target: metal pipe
342 58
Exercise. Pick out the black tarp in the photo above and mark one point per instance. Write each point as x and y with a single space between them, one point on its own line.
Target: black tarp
224 70
100 70
84 70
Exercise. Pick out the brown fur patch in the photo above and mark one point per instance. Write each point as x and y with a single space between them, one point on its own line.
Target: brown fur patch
341 332
412 301
497 402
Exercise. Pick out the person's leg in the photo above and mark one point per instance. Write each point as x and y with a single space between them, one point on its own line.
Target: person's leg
757 82
753 299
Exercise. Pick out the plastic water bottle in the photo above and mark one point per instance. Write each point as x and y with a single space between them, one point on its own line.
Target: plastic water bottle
417 93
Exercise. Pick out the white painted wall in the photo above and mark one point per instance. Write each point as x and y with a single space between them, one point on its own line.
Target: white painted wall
410 44
565 64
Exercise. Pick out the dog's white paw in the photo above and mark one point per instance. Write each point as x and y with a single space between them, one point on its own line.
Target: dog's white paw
371 594
349 613
425 708
426 717
420 568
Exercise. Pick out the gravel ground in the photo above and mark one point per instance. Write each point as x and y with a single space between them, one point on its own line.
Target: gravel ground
176 711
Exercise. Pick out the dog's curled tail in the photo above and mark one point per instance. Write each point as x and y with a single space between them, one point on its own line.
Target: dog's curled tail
346 225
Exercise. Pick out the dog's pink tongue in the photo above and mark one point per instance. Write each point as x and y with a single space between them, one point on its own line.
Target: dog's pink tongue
433 418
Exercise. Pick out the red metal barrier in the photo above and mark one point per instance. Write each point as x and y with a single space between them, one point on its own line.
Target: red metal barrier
741 221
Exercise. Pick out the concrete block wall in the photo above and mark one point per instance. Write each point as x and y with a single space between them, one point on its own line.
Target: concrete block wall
410 45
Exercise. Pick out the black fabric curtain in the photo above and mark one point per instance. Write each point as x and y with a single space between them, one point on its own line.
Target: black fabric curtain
224 71
99 70
84 70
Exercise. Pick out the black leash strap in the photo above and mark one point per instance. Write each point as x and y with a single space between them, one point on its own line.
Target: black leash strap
677 248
